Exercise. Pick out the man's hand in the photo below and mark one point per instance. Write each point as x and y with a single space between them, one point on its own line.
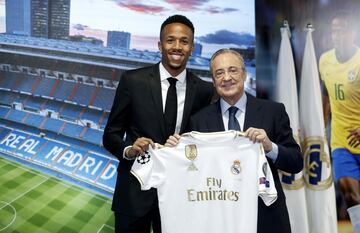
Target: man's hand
354 137
139 147
173 140
259 135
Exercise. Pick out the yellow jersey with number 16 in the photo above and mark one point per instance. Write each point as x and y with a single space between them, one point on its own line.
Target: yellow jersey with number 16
342 81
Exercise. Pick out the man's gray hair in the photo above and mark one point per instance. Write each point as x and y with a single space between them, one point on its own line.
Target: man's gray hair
222 51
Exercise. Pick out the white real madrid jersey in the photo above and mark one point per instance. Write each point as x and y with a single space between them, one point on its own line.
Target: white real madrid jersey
208 183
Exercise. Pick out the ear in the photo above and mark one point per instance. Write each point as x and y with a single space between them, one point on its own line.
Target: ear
213 81
244 76
159 46
192 47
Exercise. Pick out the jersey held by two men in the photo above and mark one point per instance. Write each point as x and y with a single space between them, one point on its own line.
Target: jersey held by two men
209 182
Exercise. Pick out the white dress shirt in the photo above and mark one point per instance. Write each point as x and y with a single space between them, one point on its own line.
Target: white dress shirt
180 92
240 116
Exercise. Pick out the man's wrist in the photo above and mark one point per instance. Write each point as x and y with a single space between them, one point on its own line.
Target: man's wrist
127 155
273 154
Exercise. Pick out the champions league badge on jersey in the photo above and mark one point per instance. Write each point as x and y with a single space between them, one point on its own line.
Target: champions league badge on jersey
191 154
236 167
352 75
144 158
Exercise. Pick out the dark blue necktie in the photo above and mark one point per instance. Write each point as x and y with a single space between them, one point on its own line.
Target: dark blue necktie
170 113
233 122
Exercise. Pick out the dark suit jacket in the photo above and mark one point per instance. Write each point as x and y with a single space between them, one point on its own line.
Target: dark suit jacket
273 118
137 111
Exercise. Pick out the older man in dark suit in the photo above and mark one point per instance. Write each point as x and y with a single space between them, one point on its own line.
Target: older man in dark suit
262 120
150 104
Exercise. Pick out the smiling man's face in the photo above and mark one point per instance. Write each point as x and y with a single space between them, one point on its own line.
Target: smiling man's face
175 45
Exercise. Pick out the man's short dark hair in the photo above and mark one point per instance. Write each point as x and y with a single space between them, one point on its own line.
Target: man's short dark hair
177 19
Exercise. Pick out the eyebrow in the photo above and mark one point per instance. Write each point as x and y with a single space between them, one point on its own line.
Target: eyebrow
230 68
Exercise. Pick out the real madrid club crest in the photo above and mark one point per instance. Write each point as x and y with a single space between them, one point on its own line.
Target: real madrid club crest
236 167
191 154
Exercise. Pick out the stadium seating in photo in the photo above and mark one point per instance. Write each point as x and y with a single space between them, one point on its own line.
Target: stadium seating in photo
55 125
97 149
7 97
3 111
92 135
80 163
83 94
15 115
104 99
63 90
35 120
29 129
52 105
33 102
51 124
53 111
45 87
73 130
65 139
8 79
71 111
4 132
23 81
93 115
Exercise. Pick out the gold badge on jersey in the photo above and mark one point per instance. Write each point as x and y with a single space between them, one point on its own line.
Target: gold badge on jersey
191 154
236 167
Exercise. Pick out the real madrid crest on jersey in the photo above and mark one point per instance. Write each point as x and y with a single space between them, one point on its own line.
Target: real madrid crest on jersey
236 167
352 75
191 154
144 158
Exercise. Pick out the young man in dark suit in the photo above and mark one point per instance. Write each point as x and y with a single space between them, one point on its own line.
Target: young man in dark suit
148 107
262 121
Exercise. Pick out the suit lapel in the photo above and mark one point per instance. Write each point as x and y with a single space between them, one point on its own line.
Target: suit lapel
214 121
191 85
155 87
252 114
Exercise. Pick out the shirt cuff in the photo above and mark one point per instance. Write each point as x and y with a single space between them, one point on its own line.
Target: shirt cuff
273 154
127 158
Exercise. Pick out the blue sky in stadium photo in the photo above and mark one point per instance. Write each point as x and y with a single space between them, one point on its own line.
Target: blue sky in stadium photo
143 17
217 23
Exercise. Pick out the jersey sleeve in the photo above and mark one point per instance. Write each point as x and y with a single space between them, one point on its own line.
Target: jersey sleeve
149 169
267 190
